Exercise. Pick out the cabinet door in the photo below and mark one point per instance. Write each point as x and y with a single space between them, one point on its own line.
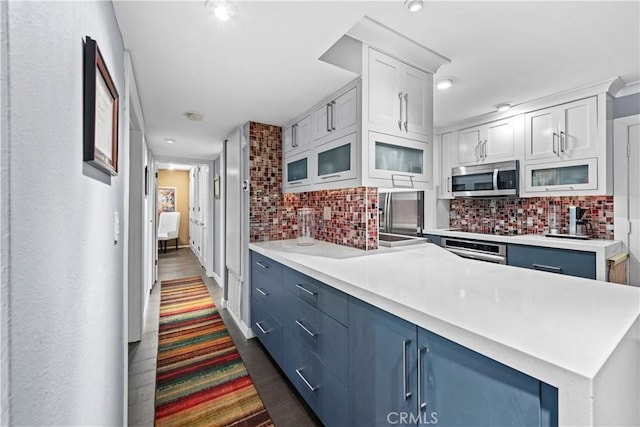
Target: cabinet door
296 170
500 140
448 143
321 122
418 101
382 366
385 97
577 122
402 161
287 139
459 387
469 143
344 110
335 160
303 133
541 134
568 176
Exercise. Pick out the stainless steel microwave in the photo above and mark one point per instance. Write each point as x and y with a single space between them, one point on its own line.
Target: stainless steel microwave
486 180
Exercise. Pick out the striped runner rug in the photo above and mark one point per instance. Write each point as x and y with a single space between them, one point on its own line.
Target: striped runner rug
200 379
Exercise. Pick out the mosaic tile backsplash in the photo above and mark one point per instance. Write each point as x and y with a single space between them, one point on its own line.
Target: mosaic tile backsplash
529 216
354 211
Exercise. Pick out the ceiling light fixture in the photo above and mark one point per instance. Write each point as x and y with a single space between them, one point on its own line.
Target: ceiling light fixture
193 116
444 84
413 5
503 107
169 141
223 10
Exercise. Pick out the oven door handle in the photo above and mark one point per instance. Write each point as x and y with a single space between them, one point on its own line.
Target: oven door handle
495 179
499 259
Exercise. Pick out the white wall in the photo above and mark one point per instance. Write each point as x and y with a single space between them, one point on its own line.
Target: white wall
218 225
66 297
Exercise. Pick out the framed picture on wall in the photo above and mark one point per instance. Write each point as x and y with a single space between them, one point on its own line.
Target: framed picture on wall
166 199
100 111
216 187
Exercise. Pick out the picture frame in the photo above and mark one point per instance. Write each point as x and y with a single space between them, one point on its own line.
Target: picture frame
166 199
100 121
216 187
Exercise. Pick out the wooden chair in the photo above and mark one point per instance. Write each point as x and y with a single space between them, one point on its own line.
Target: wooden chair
168 228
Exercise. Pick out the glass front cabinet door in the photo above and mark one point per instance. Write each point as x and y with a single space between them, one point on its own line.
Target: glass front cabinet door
562 176
402 161
297 171
336 160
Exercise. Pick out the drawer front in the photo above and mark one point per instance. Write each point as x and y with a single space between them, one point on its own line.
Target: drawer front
266 291
268 267
267 329
327 299
320 389
323 336
433 239
563 261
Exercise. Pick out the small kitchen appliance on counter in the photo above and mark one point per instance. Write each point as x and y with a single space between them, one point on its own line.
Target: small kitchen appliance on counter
579 228
306 223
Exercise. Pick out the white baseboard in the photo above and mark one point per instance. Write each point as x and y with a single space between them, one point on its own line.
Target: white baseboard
225 303
217 279
246 331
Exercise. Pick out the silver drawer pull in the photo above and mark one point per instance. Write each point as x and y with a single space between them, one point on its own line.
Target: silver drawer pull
304 328
261 264
295 183
331 176
422 405
405 385
302 288
262 292
299 372
259 326
550 268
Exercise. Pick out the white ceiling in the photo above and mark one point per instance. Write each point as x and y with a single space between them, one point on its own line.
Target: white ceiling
263 66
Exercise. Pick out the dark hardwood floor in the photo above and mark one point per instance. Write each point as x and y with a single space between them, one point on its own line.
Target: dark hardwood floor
281 400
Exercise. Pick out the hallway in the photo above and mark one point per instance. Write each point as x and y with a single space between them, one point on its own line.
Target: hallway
278 396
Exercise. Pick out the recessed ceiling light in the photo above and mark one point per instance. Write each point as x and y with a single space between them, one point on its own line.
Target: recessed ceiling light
444 84
222 9
503 107
413 5
193 116
169 141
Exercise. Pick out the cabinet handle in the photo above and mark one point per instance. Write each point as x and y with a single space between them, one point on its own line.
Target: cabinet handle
563 142
405 385
553 144
331 176
549 268
449 184
328 126
295 183
400 121
559 188
477 148
422 405
304 328
261 264
333 115
299 372
293 136
302 288
261 328
406 112
484 149
263 293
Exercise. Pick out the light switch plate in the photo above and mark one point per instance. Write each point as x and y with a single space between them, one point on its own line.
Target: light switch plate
327 213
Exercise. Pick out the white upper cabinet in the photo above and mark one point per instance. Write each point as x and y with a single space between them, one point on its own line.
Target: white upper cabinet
448 143
297 137
564 132
336 115
487 143
400 97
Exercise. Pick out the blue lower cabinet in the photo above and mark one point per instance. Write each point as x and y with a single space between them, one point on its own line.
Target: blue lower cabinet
327 396
323 336
562 261
432 238
267 329
459 387
382 367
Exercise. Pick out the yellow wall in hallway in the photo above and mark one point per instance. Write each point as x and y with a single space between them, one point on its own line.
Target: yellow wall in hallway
179 180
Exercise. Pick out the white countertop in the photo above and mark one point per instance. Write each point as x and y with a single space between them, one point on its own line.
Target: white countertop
559 329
